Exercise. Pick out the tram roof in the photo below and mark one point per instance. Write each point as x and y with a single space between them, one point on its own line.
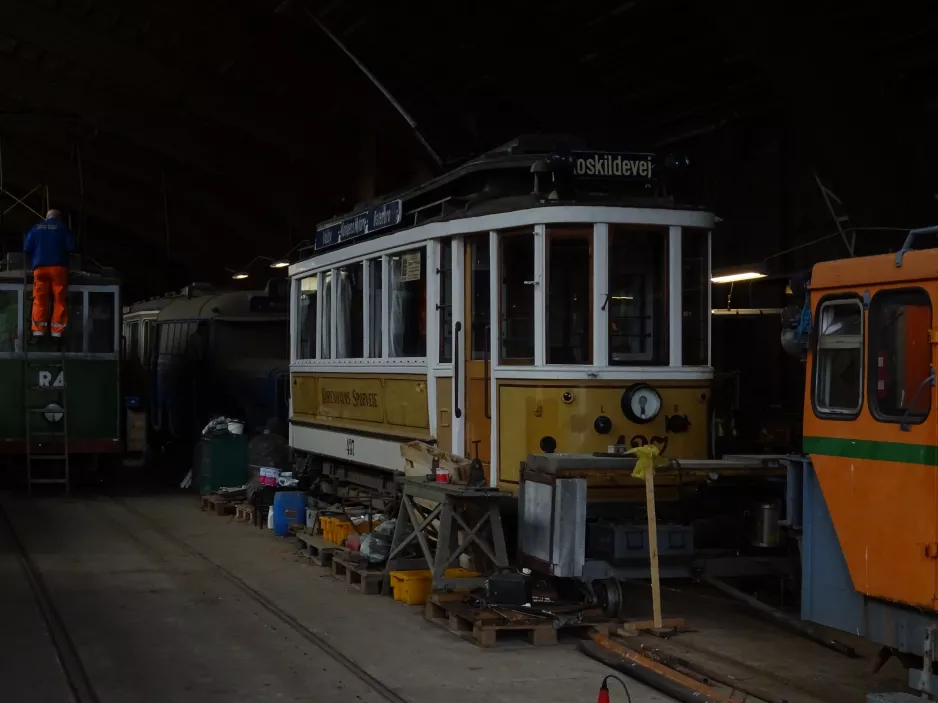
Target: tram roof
917 265
503 180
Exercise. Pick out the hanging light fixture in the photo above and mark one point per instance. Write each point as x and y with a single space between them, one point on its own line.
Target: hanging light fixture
737 274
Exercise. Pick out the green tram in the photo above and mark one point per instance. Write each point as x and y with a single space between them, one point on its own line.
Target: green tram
87 363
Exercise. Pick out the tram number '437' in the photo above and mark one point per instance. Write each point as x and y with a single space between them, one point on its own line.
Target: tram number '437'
350 446
45 379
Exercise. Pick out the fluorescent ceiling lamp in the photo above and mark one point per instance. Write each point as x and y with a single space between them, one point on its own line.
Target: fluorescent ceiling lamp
239 275
736 274
735 277
280 264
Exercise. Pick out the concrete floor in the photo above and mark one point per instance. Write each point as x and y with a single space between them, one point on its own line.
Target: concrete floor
152 620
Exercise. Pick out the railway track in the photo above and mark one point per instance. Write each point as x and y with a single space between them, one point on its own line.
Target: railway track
263 601
80 685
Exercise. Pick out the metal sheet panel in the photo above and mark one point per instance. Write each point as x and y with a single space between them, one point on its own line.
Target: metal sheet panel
827 593
569 543
536 520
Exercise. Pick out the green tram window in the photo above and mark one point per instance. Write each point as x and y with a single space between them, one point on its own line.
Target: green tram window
9 321
900 356
838 372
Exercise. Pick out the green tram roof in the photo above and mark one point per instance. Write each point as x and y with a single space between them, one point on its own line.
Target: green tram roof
200 301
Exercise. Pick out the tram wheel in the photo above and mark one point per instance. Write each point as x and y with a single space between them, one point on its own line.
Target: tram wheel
609 596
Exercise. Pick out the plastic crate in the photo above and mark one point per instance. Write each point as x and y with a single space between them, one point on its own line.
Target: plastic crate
413 587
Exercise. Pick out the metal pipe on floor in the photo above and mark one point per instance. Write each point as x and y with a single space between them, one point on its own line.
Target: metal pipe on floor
799 627
673 683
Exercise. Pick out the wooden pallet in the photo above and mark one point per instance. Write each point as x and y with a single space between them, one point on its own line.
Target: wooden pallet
216 504
244 512
357 574
488 628
316 548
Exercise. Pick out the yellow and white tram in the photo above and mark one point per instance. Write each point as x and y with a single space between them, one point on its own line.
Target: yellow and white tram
537 299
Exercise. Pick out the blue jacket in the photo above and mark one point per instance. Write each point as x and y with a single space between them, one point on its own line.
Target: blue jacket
49 243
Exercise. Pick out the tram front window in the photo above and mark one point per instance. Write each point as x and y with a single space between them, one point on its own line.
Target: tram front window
517 302
570 261
637 302
900 355
839 372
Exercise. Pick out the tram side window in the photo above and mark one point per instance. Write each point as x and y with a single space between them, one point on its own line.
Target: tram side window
695 296
407 323
517 299
9 325
900 356
76 321
306 311
638 301
132 343
350 317
839 373
569 328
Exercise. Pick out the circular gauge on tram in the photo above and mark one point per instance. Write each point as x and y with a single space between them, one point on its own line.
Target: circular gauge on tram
641 403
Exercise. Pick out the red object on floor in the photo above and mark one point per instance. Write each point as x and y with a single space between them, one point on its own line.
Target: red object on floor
603 694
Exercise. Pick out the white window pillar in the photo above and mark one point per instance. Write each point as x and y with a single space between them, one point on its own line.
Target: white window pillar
317 343
540 297
434 276
601 294
458 400
675 295
385 308
494 348
434 280
366 308
333 321
294 319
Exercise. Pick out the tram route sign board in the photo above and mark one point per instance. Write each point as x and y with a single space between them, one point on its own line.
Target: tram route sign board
614 165
358 225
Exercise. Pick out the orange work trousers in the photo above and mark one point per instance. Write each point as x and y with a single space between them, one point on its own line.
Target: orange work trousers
44 279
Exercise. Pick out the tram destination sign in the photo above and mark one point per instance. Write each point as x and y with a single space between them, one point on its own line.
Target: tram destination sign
354 226
614 164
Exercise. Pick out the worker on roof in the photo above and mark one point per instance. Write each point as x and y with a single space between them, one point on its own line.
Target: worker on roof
49 245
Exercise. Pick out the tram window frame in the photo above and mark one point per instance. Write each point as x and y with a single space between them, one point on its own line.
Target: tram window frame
518 291
407 304
554 297
656 297
838 412
349 326
307 314
905 417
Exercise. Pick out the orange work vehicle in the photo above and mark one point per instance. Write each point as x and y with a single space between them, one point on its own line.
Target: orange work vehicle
870 543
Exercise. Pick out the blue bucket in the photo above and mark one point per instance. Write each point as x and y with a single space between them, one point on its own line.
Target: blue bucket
289 509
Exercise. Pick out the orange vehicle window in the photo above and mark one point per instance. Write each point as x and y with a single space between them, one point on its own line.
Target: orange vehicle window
900 356
838 377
